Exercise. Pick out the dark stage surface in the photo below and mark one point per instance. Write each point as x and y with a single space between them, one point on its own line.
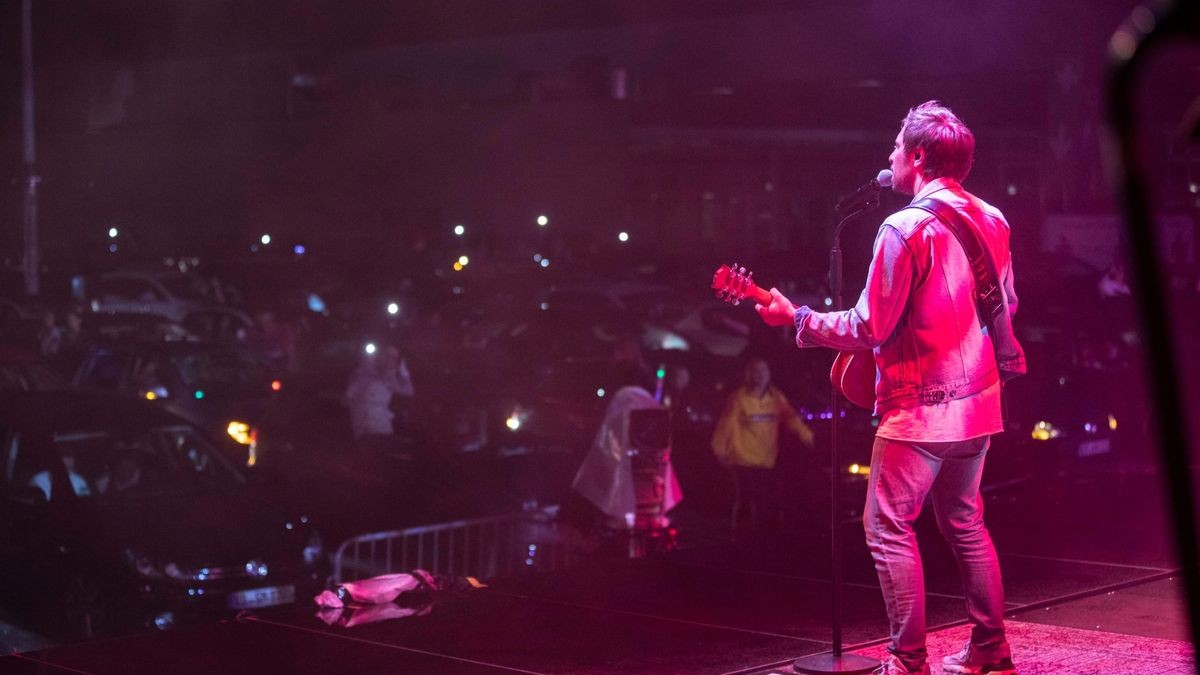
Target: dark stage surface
1087 569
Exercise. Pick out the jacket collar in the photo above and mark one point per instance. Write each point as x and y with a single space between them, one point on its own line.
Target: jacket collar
936 184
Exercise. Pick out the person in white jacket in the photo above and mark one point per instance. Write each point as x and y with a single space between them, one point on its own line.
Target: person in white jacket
380 375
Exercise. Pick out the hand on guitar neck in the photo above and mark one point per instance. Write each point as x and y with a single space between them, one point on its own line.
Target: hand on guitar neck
853 373
735 284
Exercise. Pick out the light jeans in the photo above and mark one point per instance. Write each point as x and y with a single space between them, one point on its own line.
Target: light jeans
903 474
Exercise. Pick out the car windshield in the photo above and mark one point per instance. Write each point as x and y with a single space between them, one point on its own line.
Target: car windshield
155 462
223 371
649 304
187 287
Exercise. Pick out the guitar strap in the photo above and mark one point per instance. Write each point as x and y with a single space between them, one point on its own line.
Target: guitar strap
989 301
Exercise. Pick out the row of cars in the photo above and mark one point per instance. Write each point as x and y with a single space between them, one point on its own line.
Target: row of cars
132 491
139 490
118 513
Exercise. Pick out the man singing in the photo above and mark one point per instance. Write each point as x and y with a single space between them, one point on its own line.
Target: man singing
939 368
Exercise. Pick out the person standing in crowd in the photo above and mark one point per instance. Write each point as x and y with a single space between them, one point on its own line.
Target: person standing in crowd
381 375
746 440
49 335
274 340
939 368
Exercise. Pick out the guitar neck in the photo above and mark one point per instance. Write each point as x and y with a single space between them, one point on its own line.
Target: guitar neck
758 295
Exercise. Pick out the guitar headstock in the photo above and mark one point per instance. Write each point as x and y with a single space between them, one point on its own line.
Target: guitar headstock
734 284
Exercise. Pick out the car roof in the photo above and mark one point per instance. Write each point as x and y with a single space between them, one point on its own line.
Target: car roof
78 411
168 347
147 272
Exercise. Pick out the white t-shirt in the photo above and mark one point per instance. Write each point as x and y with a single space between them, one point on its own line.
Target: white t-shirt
954 420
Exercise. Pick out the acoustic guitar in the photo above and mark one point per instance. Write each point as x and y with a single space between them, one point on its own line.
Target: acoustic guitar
853 372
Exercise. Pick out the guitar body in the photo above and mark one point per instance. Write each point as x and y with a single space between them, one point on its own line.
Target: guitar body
853 373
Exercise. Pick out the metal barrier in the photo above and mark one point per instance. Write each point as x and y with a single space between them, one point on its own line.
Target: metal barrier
484 548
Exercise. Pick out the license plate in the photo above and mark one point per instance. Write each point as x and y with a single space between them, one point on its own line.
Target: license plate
1095 447
261 597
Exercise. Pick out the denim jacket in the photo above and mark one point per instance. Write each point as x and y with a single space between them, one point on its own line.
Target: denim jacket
917 312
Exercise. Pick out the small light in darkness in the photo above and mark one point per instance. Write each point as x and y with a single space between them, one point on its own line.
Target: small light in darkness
112 248
828 301
543 221
112 231
1144 19
463 260
370 348
458 267
600 392
298 249
537 257
624 236
1012 189
393 308
1122 44
459 230
265 239
1192 187
545 262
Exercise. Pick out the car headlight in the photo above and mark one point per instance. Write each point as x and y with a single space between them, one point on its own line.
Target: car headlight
1044 431
241 432
245 434
516 419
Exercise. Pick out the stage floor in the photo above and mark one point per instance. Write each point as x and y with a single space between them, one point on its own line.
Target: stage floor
1090 590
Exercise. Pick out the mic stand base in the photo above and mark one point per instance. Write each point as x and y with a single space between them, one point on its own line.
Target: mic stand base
828 663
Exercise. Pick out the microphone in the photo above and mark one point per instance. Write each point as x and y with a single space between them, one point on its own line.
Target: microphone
866 196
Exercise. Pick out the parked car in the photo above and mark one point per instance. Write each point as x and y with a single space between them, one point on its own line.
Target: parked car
216 323
162 291
226 390
21 370
633 306
1061 419
119 514
136 326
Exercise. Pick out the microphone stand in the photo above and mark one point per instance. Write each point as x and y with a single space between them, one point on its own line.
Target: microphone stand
835 661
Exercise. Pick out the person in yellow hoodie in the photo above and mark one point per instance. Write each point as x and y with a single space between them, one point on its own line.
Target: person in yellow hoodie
746 440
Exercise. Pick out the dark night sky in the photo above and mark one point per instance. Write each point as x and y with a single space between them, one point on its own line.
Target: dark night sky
177 114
